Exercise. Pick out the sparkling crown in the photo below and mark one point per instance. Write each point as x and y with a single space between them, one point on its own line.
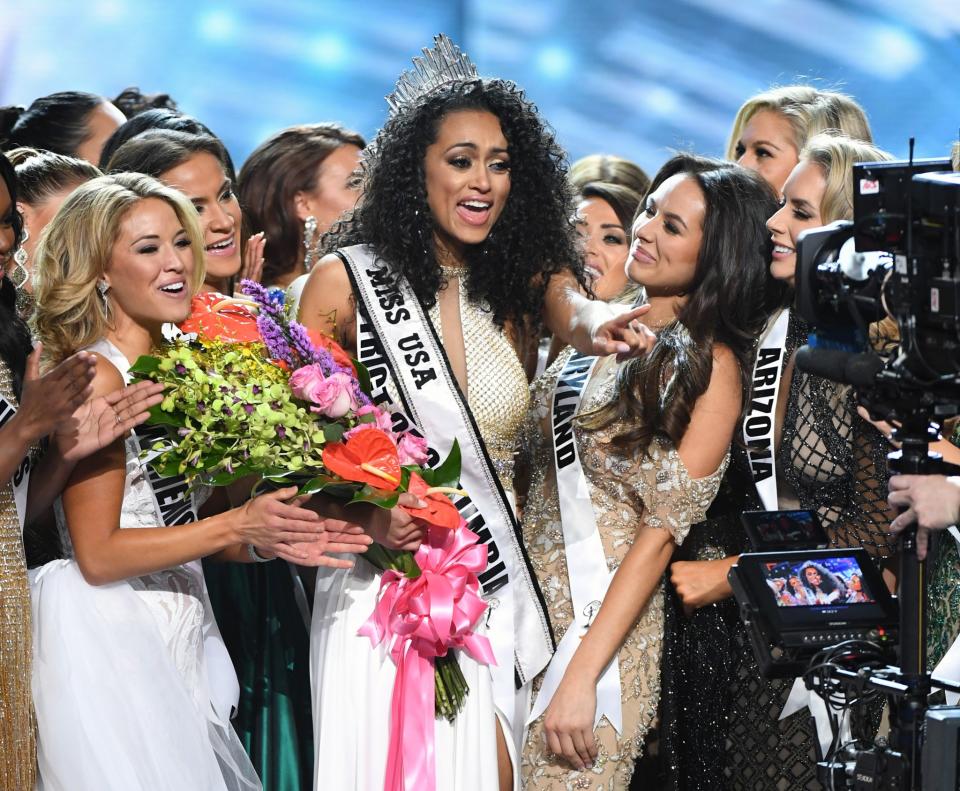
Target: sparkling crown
440 66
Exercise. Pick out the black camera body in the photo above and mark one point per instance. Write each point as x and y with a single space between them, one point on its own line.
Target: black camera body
896 265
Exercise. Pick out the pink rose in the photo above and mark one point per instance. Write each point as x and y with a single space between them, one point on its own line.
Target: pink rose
333 395
412 450
383 420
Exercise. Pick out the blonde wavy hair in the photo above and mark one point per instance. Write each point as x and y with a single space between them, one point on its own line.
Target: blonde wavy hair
74 252
836 155
809 110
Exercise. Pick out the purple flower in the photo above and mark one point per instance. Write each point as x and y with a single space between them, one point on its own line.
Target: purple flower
281 432
275 341
302 345
270 301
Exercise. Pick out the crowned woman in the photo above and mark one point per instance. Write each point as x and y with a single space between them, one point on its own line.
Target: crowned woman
462 247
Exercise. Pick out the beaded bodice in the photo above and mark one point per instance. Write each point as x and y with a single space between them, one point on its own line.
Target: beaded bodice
496 383
17 746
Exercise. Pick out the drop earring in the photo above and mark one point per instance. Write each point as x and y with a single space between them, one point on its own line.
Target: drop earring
20 274
309 235
102 288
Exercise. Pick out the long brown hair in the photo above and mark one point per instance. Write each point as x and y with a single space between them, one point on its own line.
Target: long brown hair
656 393
273 174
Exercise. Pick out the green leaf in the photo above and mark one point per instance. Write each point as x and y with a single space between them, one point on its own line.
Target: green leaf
160 418
319 483
146 364
377 497
363 376
333 432
448 472
166 467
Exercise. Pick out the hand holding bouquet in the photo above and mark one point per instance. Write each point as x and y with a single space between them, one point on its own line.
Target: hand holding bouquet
256 394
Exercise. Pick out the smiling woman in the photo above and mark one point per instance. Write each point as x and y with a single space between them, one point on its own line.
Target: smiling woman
461 248
121 258
196 165
772 127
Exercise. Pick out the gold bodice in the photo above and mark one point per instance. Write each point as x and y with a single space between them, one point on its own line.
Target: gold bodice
17 746
496 383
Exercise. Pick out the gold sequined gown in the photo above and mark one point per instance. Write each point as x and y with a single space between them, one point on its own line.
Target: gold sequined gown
654 488
17 739
352 682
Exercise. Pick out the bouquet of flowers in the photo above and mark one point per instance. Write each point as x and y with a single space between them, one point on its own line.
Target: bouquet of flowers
251 392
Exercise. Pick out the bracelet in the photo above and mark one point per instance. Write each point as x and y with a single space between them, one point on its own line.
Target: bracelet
255 556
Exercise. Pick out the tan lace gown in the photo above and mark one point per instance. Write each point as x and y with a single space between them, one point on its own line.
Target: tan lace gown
18 755
654 488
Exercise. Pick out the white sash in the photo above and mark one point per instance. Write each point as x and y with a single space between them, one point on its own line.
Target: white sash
587 568
21 476
760 438
758 426
398 345
175 504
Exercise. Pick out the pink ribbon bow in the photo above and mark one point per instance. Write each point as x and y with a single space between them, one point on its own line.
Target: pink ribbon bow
421 619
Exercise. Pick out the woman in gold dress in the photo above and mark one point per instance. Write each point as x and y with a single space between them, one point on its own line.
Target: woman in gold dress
463 238
653 438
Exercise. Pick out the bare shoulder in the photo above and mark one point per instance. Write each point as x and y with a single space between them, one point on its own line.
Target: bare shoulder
327 300
107 378
726 367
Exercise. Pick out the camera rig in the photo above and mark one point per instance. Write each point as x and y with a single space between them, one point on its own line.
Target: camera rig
899 258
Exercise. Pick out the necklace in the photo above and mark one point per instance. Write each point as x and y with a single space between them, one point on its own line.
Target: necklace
452 271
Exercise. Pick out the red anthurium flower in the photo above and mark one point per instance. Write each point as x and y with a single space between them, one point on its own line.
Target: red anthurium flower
233 323
321 341
440 510
369 456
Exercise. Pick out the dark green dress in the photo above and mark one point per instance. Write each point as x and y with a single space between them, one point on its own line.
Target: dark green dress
267 637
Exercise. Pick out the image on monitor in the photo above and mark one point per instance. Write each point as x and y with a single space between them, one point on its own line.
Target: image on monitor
822 582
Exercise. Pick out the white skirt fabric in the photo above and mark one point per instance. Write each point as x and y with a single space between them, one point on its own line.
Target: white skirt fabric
114 712
352 688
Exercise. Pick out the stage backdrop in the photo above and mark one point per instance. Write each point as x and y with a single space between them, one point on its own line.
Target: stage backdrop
632 78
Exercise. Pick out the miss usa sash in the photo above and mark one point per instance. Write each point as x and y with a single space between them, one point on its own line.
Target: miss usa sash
411 376
587 568
758 426
21 476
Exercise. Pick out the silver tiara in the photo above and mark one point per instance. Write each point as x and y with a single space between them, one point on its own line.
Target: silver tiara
443 64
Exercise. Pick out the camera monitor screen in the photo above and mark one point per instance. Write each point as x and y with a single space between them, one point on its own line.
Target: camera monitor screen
768 530
815 588
813 583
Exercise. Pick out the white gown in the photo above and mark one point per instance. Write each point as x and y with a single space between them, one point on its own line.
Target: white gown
352 689
132 685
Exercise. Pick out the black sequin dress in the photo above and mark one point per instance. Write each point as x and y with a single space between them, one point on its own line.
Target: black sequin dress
719 719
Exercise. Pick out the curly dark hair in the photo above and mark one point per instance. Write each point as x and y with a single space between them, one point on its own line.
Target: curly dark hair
829 581
15 343
533 239
726 304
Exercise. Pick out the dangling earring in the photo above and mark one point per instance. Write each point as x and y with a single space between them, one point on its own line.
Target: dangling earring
20 276
103 287
309 234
